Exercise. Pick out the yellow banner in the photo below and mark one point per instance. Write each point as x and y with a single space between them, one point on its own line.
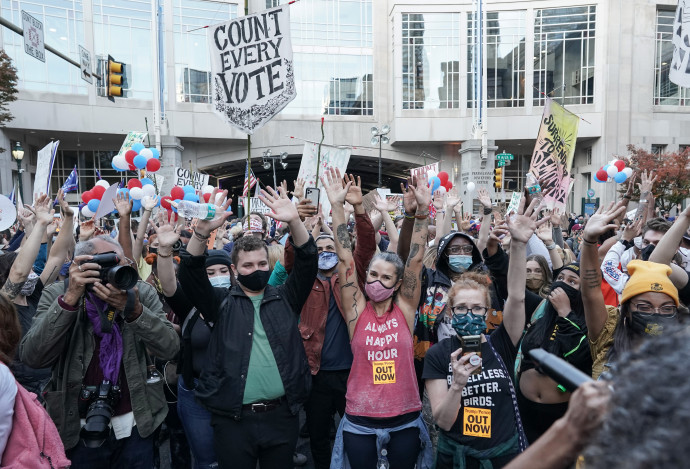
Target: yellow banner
553 154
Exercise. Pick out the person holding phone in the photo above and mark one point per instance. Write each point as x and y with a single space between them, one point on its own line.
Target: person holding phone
477 413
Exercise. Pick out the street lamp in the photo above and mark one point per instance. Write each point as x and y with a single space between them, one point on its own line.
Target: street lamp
18 155
379 136
270 160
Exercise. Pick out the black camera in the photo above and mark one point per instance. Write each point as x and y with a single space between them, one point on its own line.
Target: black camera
122 277
96 405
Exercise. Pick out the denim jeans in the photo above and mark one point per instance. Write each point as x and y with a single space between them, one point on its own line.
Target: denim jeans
197 425
133 452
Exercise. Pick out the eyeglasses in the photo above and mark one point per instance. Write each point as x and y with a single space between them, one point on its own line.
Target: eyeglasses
459 249
668 311
462 310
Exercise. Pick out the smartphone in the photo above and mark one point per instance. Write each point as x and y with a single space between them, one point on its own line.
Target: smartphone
473 344
313 194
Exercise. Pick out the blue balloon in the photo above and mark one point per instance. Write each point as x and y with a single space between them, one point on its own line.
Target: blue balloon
139 161
620 177
146 182
124 190
177 201
138 147
191 197
93 204
136 205
189 188
156 153
434 183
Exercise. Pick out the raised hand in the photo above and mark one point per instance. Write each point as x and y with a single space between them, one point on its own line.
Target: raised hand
453 199
556 218
305 209
86 230
168 234
299 189
631 185
523 224
600 222
354 193
149 203
439 200
422 193
333 185
27 218
647 181
204 227
123 203
43 210
545 232
409 200
484 197
383 205
633 229
64 206
283 208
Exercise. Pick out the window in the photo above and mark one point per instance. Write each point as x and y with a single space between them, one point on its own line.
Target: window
87 163
505 36
588 154
658 149
564 54
192 66
666 93
682 148
431 61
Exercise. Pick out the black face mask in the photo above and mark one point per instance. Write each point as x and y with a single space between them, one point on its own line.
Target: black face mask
573 294
256 281
653 325
153 250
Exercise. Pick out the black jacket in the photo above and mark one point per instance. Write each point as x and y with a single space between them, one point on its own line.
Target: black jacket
223 379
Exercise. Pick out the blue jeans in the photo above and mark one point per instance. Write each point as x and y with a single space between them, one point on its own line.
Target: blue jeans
133 452
197 425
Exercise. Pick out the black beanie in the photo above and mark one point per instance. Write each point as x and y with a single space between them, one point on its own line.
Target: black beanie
218 256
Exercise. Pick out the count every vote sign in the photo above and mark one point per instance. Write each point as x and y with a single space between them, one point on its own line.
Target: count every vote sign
252 68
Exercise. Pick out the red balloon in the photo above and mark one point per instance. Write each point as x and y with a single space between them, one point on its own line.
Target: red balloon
602 175
153 165
86 196
448 185
165 202
133 183
206 196
443 176
129 156
177 193
620 164
97 192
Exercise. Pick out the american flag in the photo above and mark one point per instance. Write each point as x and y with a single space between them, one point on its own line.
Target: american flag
249 180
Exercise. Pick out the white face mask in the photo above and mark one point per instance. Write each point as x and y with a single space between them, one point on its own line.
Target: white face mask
220 281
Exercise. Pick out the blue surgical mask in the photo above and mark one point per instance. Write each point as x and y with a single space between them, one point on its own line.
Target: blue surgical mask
468 324
220 281
459 263
327 260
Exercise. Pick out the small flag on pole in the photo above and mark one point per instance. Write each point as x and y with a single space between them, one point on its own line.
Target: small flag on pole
249 180
98 174
72 182
13 194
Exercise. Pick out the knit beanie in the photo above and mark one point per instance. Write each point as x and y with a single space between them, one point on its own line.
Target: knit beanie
646 277
218 256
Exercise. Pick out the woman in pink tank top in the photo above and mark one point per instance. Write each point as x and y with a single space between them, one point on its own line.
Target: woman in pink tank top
382 420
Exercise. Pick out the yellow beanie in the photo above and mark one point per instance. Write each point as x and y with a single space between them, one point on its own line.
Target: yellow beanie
648 277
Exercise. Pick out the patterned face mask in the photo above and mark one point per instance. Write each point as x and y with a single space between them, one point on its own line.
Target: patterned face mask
468 324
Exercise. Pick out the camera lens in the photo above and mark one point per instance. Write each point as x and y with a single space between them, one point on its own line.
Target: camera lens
123 277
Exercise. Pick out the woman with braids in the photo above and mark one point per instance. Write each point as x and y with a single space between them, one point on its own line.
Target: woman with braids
382 420
473 400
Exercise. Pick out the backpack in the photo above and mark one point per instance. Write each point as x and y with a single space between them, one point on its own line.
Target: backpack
34 442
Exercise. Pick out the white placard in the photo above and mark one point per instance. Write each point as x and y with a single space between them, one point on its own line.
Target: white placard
256 205
679 72
44 168
34 44
8 213
514 203
252 68
185 177
85 64
331 157
107 204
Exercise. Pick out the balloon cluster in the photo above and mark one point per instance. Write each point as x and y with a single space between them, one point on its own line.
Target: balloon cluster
614 171
137 189
139 157
439 181
188 192
92 198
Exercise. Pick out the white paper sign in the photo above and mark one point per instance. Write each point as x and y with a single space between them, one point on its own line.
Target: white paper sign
331 157
8 213
107 205
34 44
44 168
185 177
252 68
256 205
430 167
514 203
680 65
85 64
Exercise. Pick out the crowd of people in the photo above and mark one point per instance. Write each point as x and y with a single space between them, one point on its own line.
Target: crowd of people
406 340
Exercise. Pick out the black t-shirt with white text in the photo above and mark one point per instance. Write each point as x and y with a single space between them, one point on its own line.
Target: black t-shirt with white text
487 416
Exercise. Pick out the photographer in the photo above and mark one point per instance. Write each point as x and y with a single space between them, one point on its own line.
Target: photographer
96 337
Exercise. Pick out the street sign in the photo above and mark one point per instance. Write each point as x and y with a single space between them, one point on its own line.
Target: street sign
504 156
500 163
34 44
590 193
85 64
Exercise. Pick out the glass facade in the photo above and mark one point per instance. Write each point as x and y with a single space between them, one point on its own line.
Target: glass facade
87 163
666 93
192 65
564 54
63 28
431 60
505 54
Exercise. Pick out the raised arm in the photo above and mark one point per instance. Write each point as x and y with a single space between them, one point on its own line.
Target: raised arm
197 244
668 245
486 207
408 298
167 235
123 204
521 228
545 233
590 266
148 204
410 208
384 207
63 248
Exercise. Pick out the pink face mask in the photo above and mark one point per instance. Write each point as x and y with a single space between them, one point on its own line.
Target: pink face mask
377 292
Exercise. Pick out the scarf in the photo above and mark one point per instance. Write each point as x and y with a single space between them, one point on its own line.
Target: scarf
110 354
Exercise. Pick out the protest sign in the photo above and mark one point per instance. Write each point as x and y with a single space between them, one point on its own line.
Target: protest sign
8 213
553 153
430 167
514 203
132 138
107 204
680 64
44 168
256 205
185 177
252 68
331 157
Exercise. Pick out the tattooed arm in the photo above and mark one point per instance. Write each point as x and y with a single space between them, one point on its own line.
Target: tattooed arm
352 299
590 269
408 297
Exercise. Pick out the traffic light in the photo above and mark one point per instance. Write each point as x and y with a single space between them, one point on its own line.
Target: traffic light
116 79
498 178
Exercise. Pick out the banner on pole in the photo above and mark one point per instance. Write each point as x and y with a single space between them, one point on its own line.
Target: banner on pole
132 138
679 72
553 153
185 177
252 68
44 168
427 168
331 157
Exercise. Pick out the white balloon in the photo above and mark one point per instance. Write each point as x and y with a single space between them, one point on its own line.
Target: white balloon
103 183
121 162
628 171
612 171
470 186
146 153
87 212
149 190
136 193
430 174
441 189
207 189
